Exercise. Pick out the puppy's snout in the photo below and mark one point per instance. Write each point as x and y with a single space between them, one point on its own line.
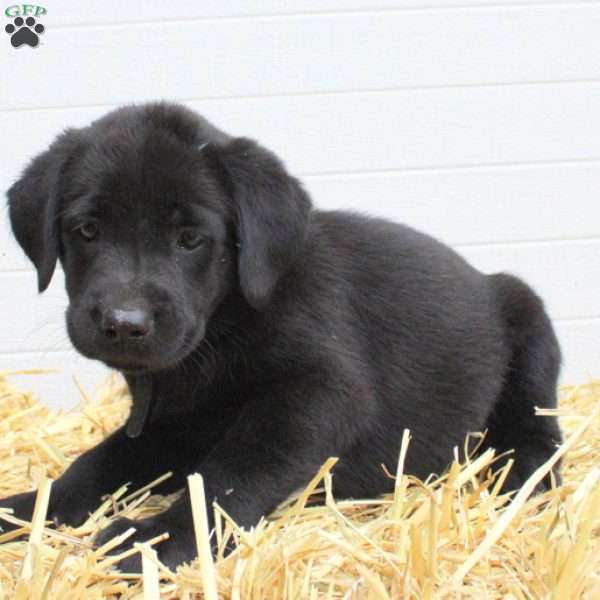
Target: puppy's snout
126 324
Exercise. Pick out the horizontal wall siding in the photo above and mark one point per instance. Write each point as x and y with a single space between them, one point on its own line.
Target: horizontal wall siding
306 54
374 131
478 205
477 121
88 12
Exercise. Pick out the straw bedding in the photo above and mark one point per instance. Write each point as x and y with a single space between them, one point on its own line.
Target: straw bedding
450 537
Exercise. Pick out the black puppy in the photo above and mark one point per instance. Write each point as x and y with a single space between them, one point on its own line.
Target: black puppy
259 336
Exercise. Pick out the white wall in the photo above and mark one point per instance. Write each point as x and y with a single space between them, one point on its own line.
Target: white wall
475 120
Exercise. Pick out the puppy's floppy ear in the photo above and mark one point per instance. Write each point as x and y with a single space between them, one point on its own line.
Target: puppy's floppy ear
271 212
34 204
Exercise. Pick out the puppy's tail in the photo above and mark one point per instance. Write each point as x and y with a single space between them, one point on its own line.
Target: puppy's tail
530 380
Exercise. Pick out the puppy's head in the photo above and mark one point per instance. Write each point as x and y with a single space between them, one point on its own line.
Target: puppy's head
156 217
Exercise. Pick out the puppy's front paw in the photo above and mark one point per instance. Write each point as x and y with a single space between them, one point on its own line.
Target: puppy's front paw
64 508
179 548
22 505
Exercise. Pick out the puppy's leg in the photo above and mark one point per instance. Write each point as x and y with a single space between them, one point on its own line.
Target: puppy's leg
274 447
530 381
115 461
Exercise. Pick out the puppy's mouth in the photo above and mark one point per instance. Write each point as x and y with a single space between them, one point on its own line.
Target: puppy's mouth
145 365
128 368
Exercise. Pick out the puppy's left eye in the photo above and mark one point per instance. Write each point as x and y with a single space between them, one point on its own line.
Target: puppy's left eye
190 239
88 231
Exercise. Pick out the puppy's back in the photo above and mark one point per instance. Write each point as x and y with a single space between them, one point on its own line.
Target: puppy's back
411 307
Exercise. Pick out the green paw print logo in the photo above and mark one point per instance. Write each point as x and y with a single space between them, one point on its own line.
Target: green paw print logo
24 29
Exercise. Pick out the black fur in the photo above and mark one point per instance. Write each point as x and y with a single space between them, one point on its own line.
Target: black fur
288 336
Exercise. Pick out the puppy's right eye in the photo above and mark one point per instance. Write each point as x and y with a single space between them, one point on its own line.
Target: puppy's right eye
88 231
190 239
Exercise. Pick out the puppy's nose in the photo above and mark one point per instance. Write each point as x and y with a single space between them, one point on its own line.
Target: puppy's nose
126 324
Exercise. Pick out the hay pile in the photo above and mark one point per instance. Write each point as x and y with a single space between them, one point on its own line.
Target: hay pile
453 537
